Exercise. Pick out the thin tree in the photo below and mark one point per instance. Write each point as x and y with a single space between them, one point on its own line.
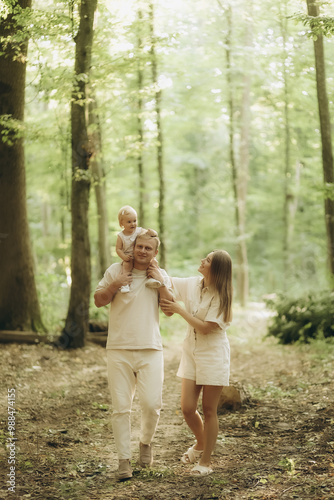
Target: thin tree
99 178
326 139
76 324
160 160
19 306
240 163
291 174
140 160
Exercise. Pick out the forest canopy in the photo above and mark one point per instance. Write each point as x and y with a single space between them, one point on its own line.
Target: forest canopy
201 115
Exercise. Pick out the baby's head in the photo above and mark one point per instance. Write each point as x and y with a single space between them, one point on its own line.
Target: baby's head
127 214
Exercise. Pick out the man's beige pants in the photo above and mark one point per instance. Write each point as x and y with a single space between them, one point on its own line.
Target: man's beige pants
143 370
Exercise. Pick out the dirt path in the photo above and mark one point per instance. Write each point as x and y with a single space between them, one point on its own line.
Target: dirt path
278 447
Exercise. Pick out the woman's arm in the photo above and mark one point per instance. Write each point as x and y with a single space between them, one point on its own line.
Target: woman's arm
205 327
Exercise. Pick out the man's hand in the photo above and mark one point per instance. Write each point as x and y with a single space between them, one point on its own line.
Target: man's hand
123 279
106 295
154 272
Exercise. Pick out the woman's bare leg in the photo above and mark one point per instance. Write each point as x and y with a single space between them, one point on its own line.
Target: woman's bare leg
189 398
211 396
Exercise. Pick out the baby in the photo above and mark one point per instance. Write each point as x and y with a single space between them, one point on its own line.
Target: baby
127 218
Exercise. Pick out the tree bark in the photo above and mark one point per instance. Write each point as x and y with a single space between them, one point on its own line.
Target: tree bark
64 192
243 175
160 162
239 167
22 337
99 179
326 140
289 197
76 325
19 306
140 161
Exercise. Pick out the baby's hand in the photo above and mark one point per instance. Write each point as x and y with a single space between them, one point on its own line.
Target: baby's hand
128 258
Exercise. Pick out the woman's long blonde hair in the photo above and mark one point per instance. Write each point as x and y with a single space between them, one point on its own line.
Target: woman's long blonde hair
221 281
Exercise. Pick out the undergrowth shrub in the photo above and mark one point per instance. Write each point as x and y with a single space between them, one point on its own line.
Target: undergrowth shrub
300 320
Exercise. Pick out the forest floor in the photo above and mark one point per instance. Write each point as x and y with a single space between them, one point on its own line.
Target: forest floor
278 446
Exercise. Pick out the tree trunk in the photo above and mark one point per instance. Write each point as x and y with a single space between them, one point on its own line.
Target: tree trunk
288 195
140 162
326 140
64 187
76 325
239 168
243 174
19 306
291 178
100 187
161 209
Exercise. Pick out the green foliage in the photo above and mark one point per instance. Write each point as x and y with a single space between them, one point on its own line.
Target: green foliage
11 129
288 464
322 25
153 474
200 215
329 191
100 406
300 320
6 7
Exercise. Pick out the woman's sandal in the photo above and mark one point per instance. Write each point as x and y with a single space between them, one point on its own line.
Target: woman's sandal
191 456
201 470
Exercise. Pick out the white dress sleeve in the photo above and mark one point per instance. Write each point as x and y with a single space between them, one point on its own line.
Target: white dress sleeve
184 288
213 316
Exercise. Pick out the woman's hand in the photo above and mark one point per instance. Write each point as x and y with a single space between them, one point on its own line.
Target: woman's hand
170 306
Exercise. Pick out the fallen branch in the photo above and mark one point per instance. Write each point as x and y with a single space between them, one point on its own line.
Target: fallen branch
19 337
290 488
100 339
7 336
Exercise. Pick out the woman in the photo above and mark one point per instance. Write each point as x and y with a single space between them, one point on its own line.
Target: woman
205 360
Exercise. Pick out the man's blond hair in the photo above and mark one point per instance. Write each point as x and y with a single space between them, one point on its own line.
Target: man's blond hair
149 234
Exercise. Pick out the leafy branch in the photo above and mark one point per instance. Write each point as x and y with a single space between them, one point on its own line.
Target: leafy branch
11 129
321 25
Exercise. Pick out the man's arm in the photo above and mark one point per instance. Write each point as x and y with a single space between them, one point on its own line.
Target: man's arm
105 295
164 292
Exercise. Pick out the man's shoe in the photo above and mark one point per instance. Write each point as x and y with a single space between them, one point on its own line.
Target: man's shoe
145 455
124 469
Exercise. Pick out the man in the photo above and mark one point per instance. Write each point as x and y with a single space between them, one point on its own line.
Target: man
134 347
